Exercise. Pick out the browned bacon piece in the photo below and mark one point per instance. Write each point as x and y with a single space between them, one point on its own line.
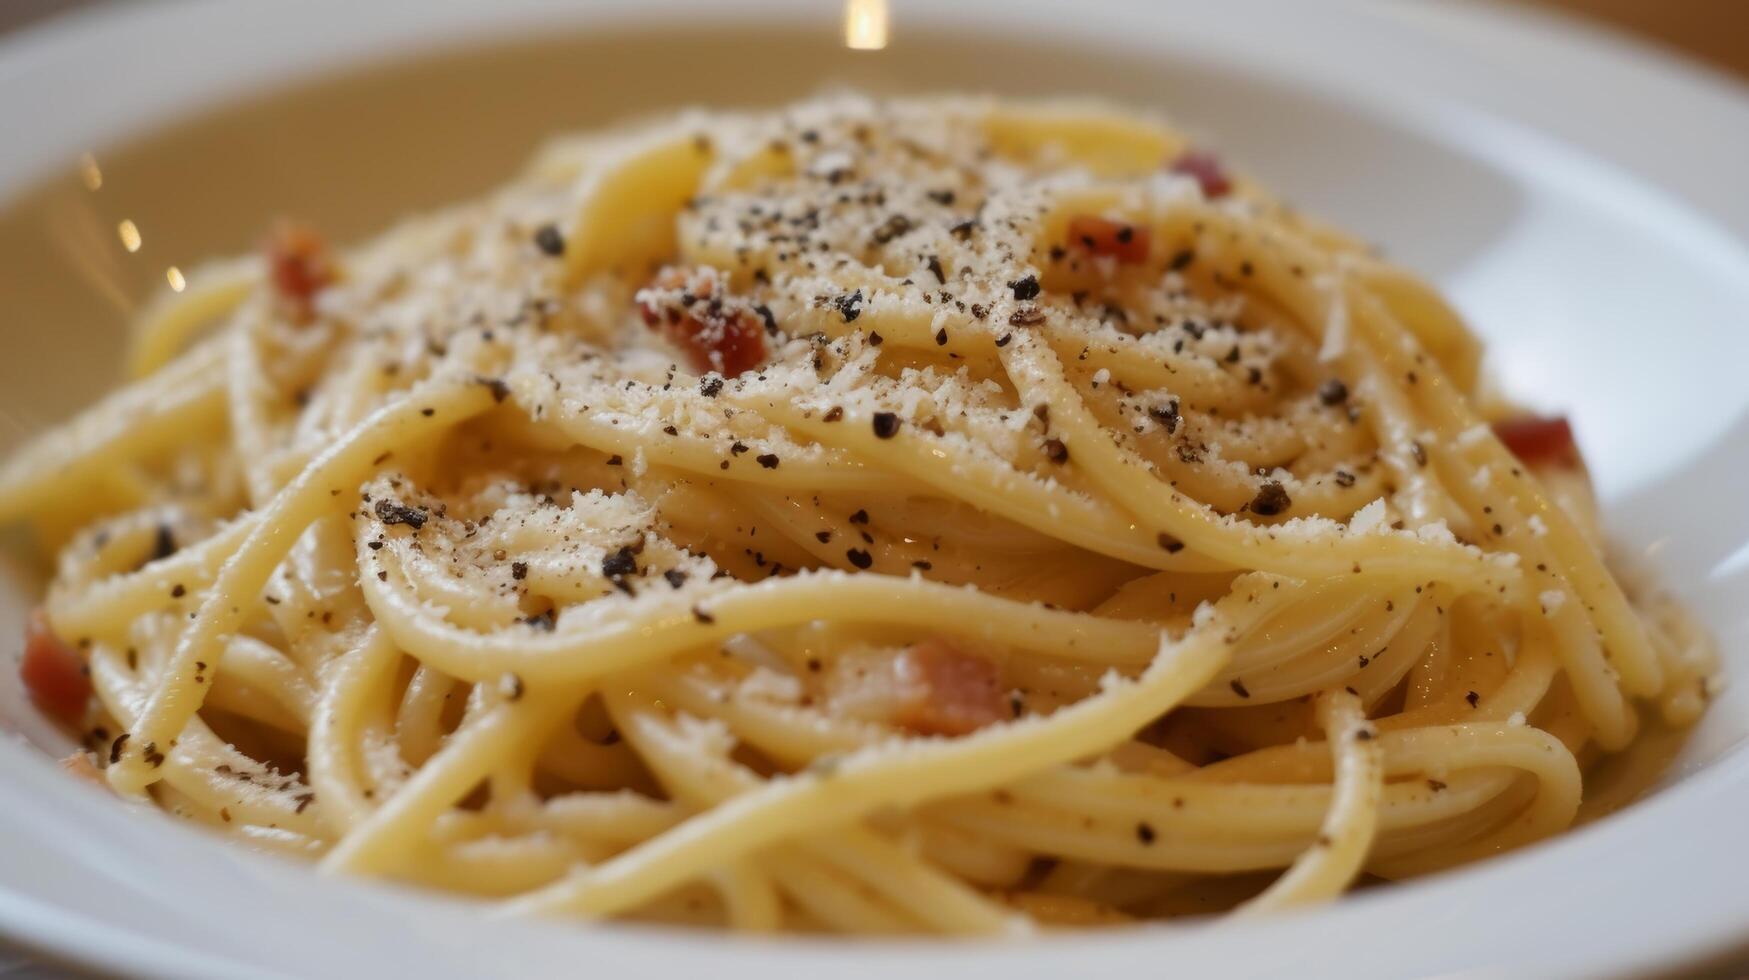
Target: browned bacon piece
298 267
1104 237
54 674
717 332
1208 171
1540 441
929 688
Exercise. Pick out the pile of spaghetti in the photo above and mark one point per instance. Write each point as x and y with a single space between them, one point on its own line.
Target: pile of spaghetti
868 516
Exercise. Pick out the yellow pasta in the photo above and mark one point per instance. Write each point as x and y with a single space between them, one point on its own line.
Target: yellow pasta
943 516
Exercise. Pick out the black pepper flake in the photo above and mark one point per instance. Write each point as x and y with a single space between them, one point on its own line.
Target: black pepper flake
1419 452
153 757
675 577
164 544
542 621
1333 392
615 460
1181 260
892 228
619 564
770 321
116 747
941 337
1238 687
511 685
1435 785
711 386
1167 415
860 517
859 558
1344 478
1171 544
1473 698
1056 451
702 616
850 307
1003 340
935 267
1145 833
1026 316
1363 735
499 389
1271 499
1025 289
519 570
943 198
390 512
670 430
886 425
923 564
822 536
737 447
549 240
767 460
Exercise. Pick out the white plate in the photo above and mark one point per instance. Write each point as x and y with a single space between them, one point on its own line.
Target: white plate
1582 199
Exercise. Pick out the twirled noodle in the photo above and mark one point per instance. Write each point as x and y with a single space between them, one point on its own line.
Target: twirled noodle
943 516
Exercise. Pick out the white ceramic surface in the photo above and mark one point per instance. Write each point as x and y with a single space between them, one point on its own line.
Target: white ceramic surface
1583 200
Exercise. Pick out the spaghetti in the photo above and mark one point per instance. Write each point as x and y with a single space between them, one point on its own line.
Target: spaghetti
869 516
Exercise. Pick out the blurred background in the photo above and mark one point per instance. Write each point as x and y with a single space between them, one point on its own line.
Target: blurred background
1713 31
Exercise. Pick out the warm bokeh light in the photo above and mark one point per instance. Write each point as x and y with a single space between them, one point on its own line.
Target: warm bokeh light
129 234
865 24
89 172
176 279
